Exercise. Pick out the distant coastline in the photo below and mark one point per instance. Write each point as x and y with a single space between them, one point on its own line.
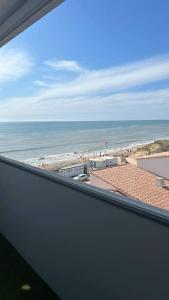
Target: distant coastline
54 162
39 142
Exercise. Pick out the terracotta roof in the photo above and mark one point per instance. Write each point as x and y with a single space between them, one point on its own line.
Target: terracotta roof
136 183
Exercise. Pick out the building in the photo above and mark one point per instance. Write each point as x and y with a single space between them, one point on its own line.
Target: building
98 163
104 161
156 163
136 183
111 161
71 171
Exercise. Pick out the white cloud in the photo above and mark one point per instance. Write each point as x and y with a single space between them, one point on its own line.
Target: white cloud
13 64
112 79
97 94
65 65
40 83
88 108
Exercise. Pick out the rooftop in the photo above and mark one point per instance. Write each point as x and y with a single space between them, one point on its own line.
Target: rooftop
98 159
136 183
72 166
103 158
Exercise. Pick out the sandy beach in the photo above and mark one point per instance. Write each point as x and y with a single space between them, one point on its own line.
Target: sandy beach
54 162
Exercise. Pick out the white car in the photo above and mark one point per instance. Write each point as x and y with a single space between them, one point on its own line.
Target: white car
81 177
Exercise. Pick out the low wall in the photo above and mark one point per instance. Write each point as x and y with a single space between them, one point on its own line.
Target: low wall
86 244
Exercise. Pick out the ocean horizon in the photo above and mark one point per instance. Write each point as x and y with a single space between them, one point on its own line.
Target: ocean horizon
28 140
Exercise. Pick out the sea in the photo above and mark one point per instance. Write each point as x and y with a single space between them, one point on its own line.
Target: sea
33 140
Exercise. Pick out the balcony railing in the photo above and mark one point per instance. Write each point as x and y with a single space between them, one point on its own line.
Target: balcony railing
84 242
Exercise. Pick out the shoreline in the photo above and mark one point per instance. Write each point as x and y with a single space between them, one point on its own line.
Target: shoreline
54 162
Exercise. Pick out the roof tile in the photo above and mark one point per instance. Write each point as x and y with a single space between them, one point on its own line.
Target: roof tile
136 183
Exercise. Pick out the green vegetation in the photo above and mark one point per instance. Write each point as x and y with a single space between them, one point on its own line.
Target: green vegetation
152 148
17 280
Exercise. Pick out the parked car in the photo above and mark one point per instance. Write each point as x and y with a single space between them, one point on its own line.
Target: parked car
81 177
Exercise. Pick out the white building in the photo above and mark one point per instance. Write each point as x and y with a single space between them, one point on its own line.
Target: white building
98 163
157 164
71 171
111 161
105 161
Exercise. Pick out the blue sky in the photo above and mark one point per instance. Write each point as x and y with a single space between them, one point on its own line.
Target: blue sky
89 60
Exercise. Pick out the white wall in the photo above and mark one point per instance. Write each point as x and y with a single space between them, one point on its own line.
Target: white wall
72 171
156 165
111 161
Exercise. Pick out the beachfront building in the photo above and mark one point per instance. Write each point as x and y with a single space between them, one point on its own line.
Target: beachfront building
112 161
84 242
71 171
98 162
156 163
104 161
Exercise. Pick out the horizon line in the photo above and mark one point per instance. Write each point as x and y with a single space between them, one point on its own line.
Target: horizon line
64 121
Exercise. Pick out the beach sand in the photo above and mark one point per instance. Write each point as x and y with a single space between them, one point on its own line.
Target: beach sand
54 162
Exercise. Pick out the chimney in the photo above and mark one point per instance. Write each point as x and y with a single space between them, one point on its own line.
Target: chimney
160 182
